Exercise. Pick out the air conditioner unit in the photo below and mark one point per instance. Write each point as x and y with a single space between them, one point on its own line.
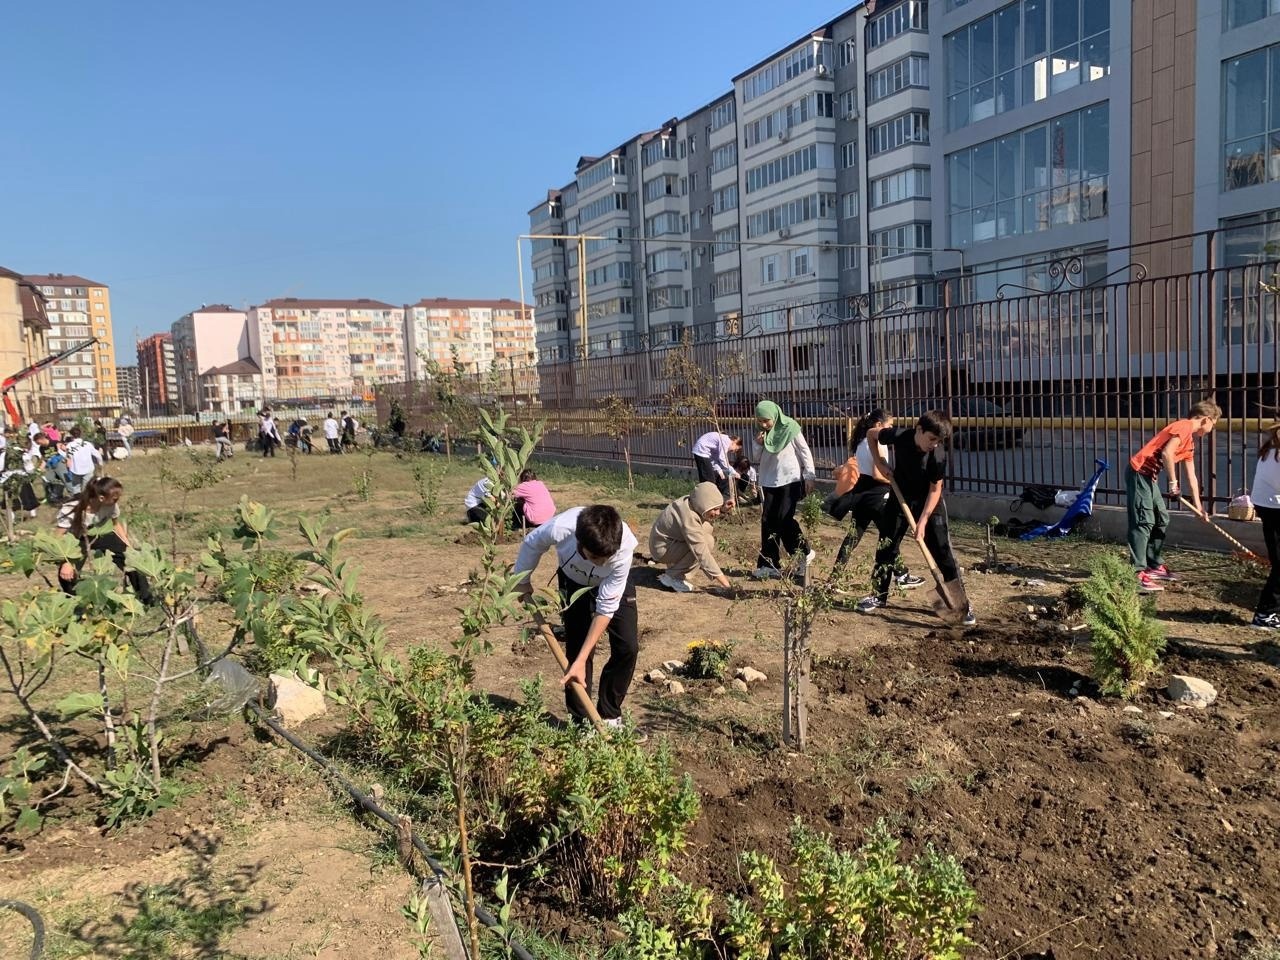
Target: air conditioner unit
851 113
626 283
784 135
784 233
822 70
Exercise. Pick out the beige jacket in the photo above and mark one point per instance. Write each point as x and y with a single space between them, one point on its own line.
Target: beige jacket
681 522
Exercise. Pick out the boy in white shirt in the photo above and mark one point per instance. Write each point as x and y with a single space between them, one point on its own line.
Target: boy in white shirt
476 501
593 549
83 461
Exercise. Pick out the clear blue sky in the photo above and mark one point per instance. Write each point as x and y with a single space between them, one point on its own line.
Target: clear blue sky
235 151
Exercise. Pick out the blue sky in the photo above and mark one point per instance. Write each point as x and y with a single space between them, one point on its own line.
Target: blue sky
235 151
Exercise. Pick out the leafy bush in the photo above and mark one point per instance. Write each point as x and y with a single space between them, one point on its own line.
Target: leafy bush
708 659
1127 640
841 905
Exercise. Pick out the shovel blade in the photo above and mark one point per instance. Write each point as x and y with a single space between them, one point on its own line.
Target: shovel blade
949 601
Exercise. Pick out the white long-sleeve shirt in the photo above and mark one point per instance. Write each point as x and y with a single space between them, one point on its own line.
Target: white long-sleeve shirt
1266 483
715 447
330 428
793 462
475 496
83 457
560 532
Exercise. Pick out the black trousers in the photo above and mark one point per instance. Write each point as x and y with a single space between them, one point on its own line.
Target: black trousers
333 445
268 446
108 543
707 474
778 527
1269 601
624 648
477 513
937 537
870 502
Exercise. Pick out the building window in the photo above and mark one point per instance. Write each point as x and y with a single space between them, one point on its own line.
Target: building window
801 260
800 357
726 198
849 205
769 269
848 258
908 128
726 241
768 361
781 123
912 71
909 184
791 165
722 115
849 155
809 56
814 207
846 52
663 148
1045 176
1251 119
849 105
905 240
727 283
1024 53
1238 13
661 186
724 157
909 15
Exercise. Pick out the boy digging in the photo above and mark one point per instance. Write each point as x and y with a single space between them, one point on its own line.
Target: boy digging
683 538
1148 515
593 549
918 470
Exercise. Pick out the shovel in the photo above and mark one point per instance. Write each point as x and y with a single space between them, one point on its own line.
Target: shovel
949 600
1230 539
584 698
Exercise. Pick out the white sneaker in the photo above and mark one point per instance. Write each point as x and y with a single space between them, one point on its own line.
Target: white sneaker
671 583
812 556
765 573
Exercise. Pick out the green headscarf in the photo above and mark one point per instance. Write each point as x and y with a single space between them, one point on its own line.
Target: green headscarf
784 429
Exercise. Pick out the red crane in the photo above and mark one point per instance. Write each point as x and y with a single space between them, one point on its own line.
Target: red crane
11 405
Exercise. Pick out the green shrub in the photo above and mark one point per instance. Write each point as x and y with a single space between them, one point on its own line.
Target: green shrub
1127 640
840 906
708 659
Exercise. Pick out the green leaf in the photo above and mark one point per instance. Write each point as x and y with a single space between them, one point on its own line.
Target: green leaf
76 704
28 820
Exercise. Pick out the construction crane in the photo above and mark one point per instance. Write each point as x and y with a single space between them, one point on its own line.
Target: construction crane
11 405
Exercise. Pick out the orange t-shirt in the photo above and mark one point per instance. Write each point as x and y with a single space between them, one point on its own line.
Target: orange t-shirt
1149 461
846 476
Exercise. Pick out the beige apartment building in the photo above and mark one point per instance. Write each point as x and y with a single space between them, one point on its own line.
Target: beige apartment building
79 309
481 334
24 328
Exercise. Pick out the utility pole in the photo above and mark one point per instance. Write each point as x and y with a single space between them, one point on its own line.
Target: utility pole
582 292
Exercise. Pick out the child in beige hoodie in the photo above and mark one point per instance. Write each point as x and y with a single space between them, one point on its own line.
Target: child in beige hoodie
683 538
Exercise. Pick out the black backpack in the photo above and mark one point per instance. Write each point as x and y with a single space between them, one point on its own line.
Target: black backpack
1038 495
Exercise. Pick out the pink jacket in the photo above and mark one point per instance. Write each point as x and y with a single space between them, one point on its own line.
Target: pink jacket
538 505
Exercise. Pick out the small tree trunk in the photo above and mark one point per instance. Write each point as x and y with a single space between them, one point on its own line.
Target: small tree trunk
787 667
626 455
464 842
448 444
108 721
153 713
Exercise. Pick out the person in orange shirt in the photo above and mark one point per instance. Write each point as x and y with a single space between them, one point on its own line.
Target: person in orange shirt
863 490
1148 515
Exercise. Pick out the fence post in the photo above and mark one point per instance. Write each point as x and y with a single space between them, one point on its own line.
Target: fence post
1211 478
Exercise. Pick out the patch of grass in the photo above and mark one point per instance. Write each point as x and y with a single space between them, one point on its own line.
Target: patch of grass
1264 951
665 486
924 784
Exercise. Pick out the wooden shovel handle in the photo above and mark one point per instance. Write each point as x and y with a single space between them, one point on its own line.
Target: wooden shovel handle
584 698
911 523
1230 539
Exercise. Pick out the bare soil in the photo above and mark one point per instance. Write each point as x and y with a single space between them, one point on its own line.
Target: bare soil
1088 831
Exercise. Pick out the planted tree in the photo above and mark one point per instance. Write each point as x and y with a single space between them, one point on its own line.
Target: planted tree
1127 639
621 423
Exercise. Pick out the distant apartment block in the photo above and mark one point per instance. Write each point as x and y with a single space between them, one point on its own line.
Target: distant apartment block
478 333
158 375
130 388
24 330
326 348
78 310
212 337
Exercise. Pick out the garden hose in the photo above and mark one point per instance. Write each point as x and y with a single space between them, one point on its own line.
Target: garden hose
37 923
484 916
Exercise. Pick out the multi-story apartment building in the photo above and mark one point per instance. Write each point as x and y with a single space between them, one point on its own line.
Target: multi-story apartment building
24 328
130 388
78 310
213 336
326 348
232 387
159 375
476 334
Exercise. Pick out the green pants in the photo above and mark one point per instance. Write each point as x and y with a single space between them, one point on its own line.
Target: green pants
1148 520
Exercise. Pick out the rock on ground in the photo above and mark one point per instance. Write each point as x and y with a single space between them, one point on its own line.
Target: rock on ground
750 675
740 685
655 676
293 701
1192 690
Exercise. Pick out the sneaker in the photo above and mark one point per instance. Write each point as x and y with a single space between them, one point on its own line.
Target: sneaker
969 619
671 583
1147 583
765 573
867 604
1266 621
1163 573
614 724
811 556
906 581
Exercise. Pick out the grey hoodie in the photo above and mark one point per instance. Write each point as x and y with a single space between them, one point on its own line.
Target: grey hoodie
681 522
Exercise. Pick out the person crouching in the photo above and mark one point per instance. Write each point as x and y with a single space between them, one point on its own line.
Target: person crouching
683 538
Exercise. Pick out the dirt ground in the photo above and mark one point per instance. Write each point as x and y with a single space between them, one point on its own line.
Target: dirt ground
1087 830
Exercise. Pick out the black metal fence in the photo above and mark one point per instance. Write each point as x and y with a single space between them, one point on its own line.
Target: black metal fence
1039 383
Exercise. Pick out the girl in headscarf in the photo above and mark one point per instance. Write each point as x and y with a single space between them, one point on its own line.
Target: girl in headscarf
786 477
